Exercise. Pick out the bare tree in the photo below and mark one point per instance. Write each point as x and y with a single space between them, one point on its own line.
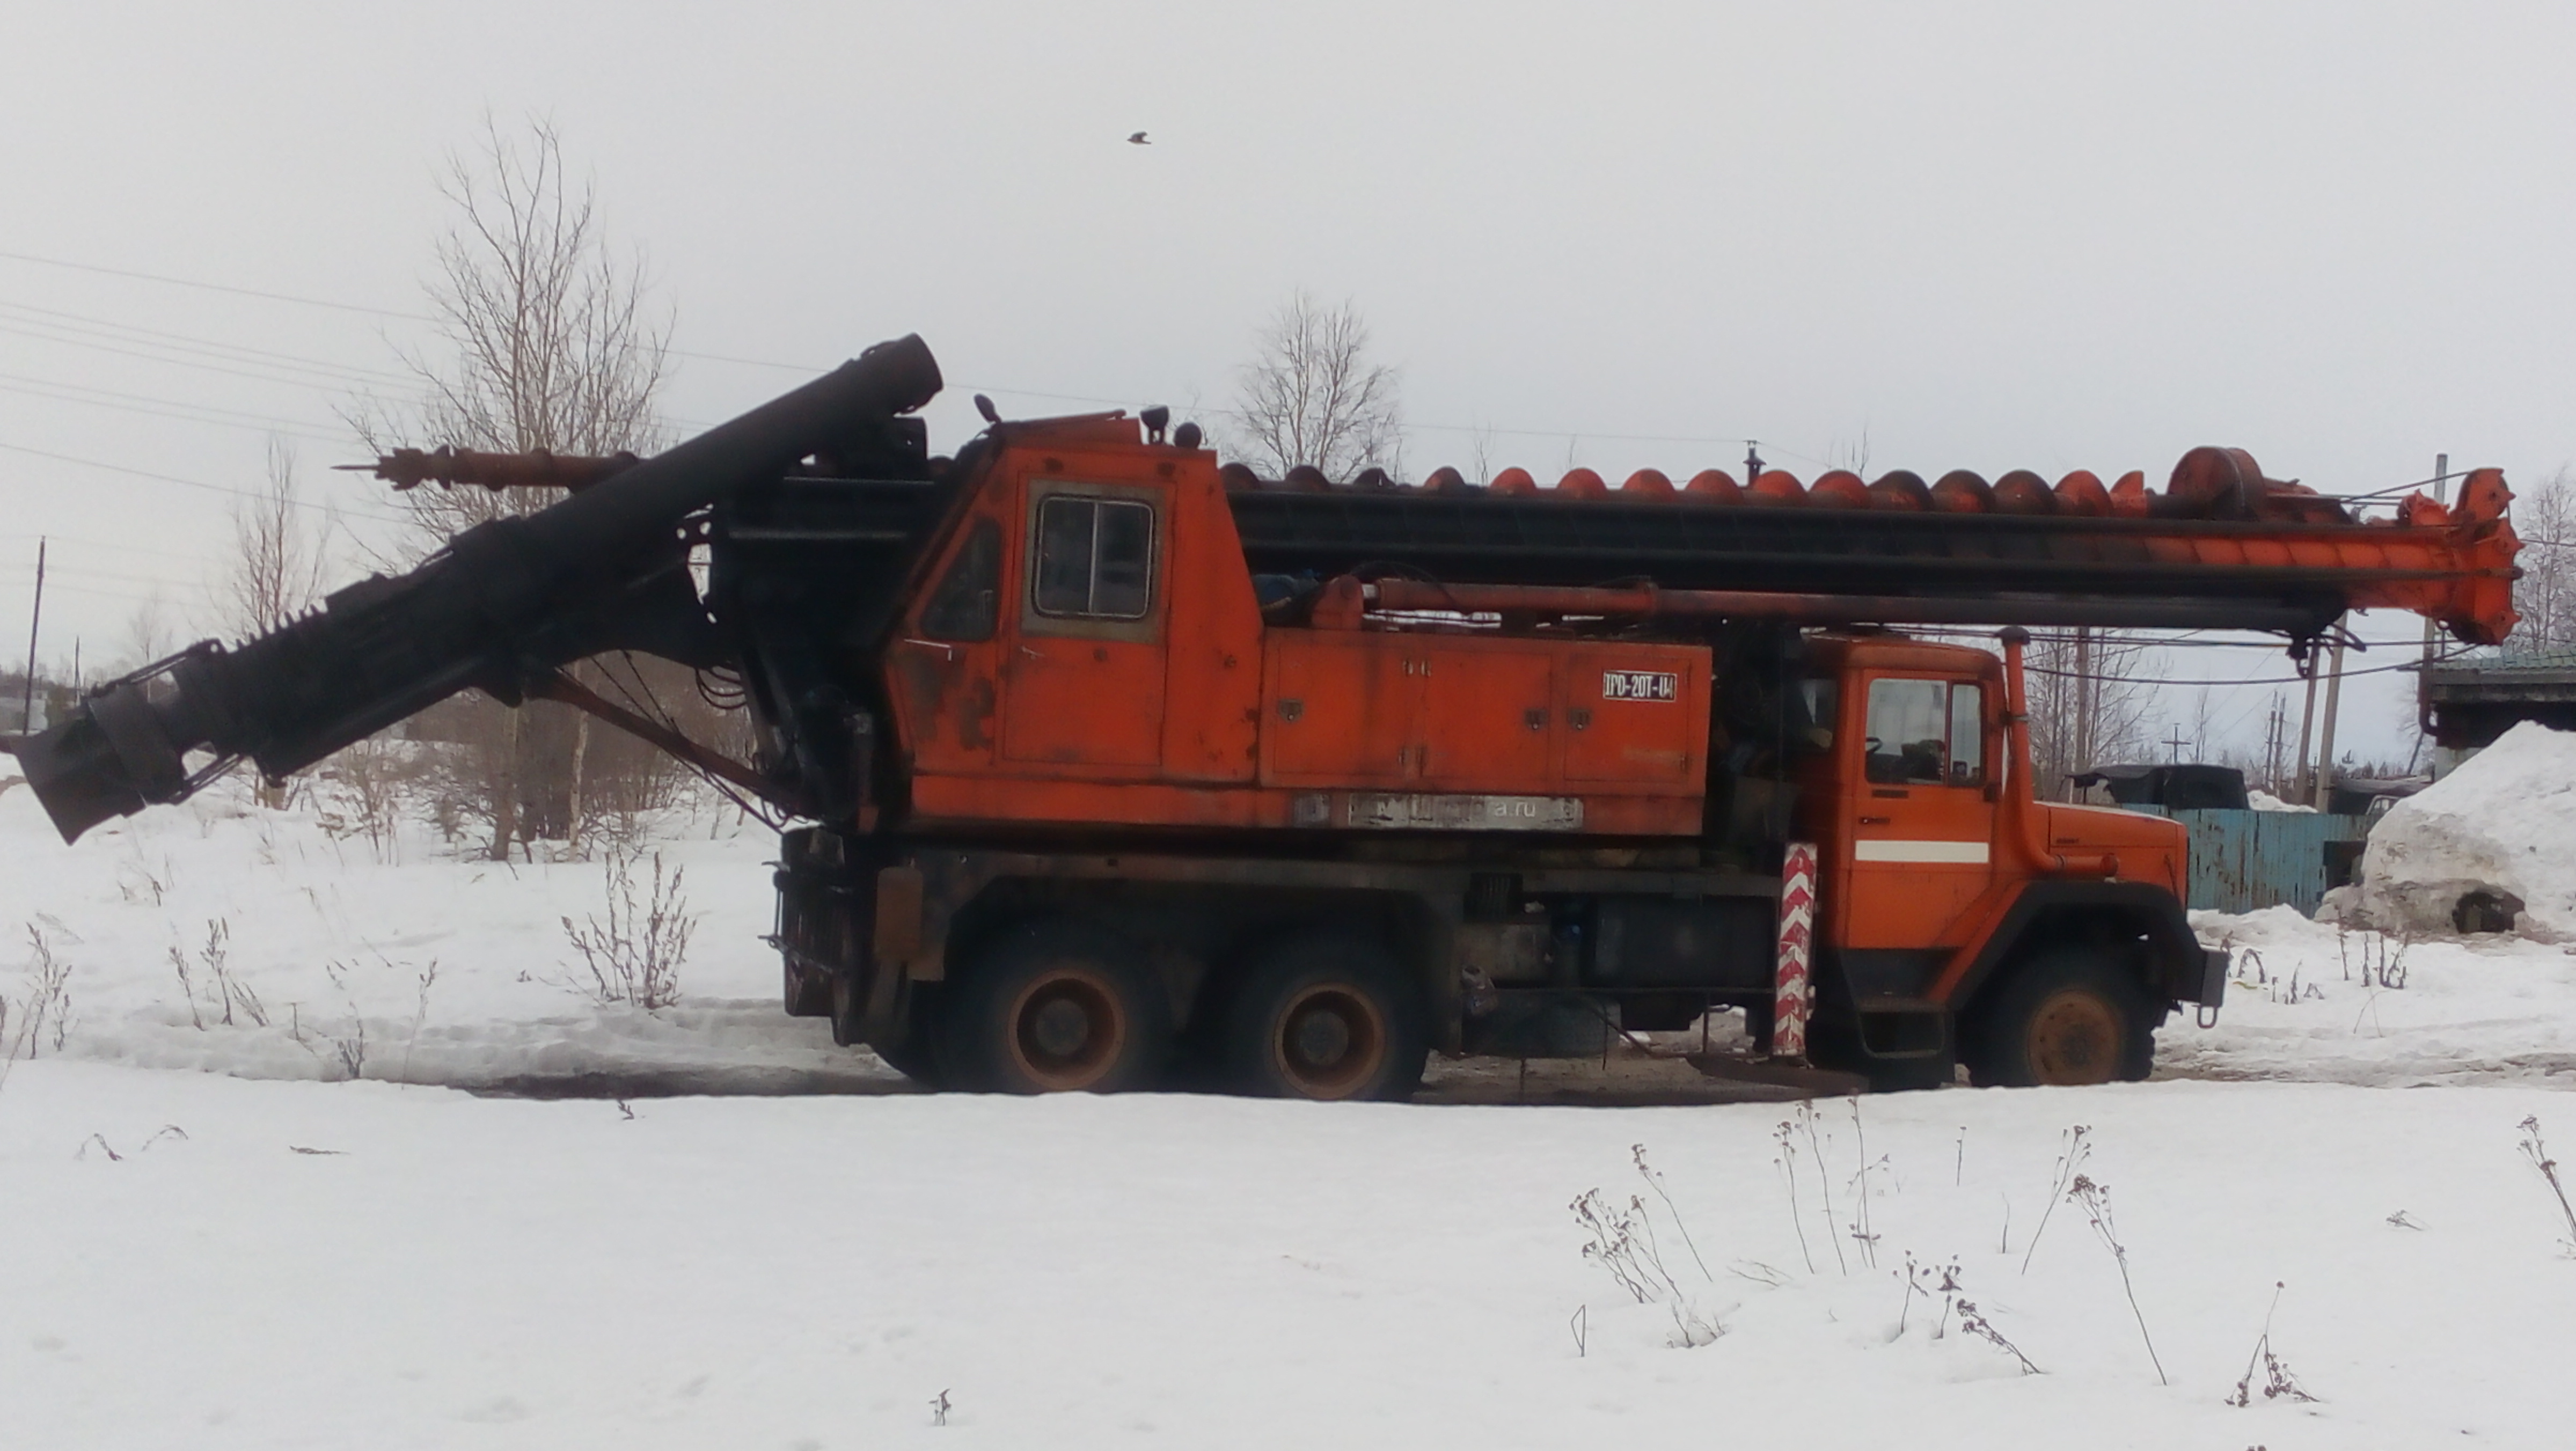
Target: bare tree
2545 517
148 634
276 567
275 573
2090 696
552 342
1311 396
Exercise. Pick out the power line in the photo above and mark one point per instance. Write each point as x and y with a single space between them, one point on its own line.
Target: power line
812 368
188 483
2267 680
213 286
82 323
100 544
162 408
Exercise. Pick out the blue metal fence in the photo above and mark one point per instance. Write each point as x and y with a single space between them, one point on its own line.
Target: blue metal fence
2245 860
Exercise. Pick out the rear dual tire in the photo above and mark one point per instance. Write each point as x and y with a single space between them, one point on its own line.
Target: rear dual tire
1326 1016
1055 1007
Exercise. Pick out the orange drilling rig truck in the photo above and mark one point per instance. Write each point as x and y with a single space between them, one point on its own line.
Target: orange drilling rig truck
1110 767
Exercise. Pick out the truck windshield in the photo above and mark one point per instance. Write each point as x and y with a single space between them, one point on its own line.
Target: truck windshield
1926 733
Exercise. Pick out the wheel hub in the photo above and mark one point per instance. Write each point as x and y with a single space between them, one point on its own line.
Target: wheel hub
1067 1030
1331 1042
2075 1039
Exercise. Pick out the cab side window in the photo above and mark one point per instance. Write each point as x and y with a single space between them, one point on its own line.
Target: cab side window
1926 733
967 602
1095 558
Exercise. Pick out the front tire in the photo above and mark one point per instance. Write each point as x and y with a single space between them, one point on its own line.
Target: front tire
1055 1007
2067 1016
1328 1016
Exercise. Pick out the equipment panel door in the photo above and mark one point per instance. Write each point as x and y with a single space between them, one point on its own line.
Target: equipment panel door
1636 715
1485 717
1339 709
1918 824
1083 682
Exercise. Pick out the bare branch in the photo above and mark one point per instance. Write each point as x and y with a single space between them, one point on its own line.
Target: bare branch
1310 397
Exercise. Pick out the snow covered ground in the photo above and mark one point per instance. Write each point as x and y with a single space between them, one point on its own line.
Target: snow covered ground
423 965
368 1265
452 1270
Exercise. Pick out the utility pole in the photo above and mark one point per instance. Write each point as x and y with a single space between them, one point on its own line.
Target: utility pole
2441 486
36 620
2423 676
2319 796
2275 722
2084 697
2307 725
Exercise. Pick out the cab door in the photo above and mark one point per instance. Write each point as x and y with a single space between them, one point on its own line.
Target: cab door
1917 819
1083 682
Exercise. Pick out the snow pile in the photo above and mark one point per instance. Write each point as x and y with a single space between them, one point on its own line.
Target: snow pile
2262 800
2502 828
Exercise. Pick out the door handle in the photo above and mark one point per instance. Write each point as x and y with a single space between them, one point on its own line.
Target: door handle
1873 821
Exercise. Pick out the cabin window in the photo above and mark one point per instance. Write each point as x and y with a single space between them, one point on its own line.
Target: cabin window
1095 558
1926 733
1967 735
967 603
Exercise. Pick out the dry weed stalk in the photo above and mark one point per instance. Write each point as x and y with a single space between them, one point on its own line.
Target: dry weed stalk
2072 1153
2538 1153
1955 1301
1788 1162
1622 1241
1805 1116
2096 1199
45 1004
227 994
633 954
2277 1380
1860 1227
1655 1180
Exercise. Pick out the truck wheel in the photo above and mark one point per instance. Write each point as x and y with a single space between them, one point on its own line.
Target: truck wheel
2066 1016
1055 1007
1329 1016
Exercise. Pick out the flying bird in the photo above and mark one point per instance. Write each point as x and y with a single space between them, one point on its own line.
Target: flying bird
1138 140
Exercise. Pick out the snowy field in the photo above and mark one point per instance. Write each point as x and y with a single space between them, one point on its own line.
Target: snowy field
274 1257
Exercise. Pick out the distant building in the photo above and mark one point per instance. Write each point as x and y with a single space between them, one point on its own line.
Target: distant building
2469 702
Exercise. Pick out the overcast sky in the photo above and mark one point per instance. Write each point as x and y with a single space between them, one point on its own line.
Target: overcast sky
1993 236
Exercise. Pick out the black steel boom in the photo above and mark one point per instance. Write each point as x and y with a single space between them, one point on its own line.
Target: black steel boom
504 603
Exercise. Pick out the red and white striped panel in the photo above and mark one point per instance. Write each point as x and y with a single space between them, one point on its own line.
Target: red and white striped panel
1796 991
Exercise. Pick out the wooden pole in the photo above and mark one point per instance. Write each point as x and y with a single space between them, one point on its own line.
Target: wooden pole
36 620
2319 797
2307 725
